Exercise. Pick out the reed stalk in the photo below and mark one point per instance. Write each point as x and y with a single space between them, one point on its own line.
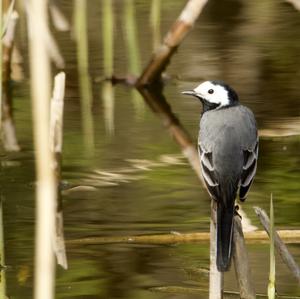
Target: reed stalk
46 187
155 22
1 55
216 278
56 141
2 254
271 285
133 50
108 37
86 98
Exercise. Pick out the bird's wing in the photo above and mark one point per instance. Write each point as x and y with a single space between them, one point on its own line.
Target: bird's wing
249 169
208 171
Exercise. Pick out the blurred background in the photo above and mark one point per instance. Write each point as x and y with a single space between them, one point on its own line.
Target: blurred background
122 172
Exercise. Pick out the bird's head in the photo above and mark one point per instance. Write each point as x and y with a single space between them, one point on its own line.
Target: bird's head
214 95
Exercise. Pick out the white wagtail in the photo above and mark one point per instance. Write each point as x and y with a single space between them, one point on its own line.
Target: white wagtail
228 150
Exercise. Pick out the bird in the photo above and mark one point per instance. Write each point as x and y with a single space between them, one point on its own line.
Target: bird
228 151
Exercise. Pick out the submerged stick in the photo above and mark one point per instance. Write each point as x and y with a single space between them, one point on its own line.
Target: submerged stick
289 236
9 138
279 244
46 187
241 262
56 132
174 37
216 278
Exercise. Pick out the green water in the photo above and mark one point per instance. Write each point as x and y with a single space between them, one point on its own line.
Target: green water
138 181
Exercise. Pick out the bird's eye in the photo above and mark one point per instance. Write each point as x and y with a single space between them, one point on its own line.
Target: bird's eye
211 91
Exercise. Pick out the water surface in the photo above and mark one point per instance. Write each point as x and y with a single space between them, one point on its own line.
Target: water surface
135 179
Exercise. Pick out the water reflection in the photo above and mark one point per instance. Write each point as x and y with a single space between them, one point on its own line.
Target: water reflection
135 182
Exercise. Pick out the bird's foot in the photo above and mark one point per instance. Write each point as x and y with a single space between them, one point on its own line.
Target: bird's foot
236 213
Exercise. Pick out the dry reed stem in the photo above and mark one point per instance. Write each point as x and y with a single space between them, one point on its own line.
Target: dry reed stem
216 278
1 54
172 40
2 253
289 236
46 187
241 262
272 271
9 138
279 243
56 132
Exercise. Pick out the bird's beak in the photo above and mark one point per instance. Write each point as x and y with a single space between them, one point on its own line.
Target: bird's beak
189 92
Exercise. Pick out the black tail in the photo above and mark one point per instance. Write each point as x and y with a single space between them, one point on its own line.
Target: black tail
224 236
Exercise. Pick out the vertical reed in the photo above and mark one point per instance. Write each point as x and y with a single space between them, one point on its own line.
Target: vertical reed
133 50
1 22
155 22
2 254
80 26
108 96
271 285
134 57
108 37
45 188
216 278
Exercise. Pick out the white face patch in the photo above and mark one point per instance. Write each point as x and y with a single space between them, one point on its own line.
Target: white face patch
212 93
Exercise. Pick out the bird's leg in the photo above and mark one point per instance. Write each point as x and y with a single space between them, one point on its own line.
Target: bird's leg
236 208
